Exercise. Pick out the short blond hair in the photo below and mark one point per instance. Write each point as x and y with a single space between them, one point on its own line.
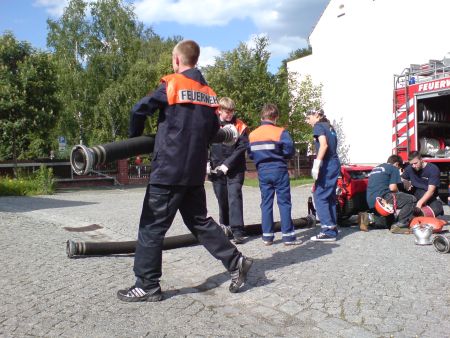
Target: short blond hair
188 51
227 103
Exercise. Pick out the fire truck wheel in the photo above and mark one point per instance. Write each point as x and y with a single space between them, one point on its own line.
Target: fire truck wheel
344 213
349 207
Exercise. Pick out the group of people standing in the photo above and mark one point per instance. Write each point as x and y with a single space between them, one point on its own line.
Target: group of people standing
190 116
270 147
187 125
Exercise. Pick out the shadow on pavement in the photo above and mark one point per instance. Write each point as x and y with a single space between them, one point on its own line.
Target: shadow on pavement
25 204
307 251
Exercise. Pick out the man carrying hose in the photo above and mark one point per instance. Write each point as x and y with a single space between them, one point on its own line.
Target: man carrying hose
186 125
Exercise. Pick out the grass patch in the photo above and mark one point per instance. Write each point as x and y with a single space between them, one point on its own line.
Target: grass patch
41 182
295 182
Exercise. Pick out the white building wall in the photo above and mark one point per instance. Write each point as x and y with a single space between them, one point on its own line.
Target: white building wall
356 55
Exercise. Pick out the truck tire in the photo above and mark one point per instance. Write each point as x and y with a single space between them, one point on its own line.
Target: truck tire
349 207
344 213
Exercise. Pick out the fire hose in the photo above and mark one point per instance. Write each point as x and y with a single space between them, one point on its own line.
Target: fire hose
84 159
442 243
74 248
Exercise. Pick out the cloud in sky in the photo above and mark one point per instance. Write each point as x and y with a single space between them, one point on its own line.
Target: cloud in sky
287 23
53 7
207 56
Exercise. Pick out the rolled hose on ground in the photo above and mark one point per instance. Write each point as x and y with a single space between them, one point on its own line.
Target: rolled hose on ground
442 243
83 159
74 249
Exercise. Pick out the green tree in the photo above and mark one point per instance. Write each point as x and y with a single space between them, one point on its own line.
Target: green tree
343 148
107 62
69 38
303 96
242 74
294 55
28 102
114 103
285 83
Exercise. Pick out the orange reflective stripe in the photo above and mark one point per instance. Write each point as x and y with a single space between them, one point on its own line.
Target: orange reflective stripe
181 89
240 126
266 133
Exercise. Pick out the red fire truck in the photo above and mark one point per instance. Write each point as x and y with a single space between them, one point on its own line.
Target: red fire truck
421 116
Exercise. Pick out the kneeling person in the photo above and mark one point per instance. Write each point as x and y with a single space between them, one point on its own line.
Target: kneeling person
383 180
425 180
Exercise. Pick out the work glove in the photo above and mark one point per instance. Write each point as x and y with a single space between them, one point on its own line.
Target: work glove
208 168
221 170
315 169
233 134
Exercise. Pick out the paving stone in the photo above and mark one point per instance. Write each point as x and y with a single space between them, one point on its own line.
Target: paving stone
290 307
360 286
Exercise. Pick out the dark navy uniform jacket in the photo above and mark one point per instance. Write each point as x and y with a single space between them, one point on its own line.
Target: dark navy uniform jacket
187 122
270 146
379 180
420 180
231 156
330 168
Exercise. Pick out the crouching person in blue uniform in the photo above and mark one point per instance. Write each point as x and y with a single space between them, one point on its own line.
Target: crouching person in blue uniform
227 172
325 172
270 147
383 182
424 180
187 123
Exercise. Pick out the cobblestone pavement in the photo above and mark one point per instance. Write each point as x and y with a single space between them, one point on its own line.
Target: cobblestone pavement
373 284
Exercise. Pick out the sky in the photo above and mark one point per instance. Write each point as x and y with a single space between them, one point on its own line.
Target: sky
217 25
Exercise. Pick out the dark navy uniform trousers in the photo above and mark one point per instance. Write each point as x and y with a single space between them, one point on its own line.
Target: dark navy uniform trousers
228 190
161 204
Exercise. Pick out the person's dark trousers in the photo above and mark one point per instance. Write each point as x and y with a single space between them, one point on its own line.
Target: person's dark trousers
271 182
433 202
228 190
160 206
404 202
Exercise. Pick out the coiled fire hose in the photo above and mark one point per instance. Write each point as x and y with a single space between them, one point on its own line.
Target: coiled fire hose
74 248
442 243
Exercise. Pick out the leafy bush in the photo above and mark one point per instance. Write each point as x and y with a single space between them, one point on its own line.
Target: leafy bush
40 182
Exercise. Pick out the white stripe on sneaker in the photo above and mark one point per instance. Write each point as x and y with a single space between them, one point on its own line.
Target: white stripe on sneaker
268 234
138 292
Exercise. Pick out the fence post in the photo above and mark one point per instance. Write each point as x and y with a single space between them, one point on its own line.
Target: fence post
122 171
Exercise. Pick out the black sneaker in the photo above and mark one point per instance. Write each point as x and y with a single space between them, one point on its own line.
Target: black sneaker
135 294
226 230
239 275
238 239
323 237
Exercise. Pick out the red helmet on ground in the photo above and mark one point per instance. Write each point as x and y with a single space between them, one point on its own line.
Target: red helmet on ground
383 207
427 211
436 223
